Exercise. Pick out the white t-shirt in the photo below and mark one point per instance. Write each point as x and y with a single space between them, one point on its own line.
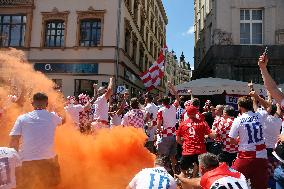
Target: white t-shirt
155 178
152 109
249 127
9 160
101 108
115 120
168 114
272 127
74 112
37 129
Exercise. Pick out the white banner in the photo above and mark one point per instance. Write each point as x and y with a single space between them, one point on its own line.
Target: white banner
120 89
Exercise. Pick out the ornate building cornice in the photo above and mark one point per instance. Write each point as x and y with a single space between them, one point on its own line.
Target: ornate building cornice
162 9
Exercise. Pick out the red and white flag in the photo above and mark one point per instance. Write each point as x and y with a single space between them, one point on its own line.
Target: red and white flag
153 76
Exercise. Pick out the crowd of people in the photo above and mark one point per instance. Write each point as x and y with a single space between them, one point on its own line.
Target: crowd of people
208 147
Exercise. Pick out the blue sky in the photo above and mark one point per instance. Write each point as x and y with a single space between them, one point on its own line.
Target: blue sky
180 31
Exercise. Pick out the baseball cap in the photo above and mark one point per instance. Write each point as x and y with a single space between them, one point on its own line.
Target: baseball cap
191 109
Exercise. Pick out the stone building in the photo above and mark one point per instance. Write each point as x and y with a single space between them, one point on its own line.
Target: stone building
185 72
230 35
77 44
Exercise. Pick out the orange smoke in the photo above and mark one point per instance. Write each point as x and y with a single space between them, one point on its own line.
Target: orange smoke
108 160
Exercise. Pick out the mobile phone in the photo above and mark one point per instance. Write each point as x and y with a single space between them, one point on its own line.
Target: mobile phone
265 51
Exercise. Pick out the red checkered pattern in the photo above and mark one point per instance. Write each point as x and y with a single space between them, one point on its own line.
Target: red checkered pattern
170 131
134 118
70 99
85 117
216 122
222 133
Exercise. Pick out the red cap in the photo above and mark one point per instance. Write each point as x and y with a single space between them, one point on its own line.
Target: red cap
191 109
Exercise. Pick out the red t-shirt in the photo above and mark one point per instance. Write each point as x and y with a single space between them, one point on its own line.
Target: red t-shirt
193 132
223 176
184 116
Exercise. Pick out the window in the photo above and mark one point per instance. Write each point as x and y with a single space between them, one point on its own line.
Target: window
12 30
90 32
136 10
127 40
134 53
251 26
142 27
141 58
84 86
54 33
151 46
129 4
146 63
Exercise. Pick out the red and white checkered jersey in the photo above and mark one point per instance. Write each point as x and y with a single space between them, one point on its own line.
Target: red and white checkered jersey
167 114
223 177
249 128
216 122
152 110
134 118
222 132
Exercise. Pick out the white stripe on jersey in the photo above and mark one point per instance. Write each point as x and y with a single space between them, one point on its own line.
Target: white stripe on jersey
230 183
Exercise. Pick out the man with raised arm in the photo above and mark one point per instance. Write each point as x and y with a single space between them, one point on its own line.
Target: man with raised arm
269 83
166 127
101 107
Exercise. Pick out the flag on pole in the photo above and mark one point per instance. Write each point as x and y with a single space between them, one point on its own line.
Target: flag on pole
153 76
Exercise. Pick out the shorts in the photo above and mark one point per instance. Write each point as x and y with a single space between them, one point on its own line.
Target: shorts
187 161
254 169
227 157
167 146
42 174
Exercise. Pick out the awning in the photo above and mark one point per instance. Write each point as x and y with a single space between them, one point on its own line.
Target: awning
212 86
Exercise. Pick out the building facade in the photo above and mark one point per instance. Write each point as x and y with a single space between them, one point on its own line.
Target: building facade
177 71
230 35
78 44
184 72
171 68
